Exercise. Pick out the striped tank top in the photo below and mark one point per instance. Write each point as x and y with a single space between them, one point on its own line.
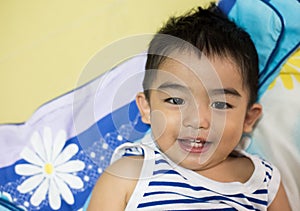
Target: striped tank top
163 185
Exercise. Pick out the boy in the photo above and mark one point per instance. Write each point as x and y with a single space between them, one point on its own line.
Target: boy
199 97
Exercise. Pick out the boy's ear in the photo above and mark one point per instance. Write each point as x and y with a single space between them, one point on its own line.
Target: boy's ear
143 106
252 116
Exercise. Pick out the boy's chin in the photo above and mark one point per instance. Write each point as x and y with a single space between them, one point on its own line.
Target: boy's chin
195 164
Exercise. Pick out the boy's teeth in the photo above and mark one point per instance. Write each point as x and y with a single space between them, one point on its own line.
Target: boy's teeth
196 144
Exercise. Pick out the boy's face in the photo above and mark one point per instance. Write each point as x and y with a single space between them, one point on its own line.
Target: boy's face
198 112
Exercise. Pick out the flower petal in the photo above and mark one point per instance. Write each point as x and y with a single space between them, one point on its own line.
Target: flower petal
71 166
47 138
40 194
66 154
31 157
54 196
27 169
287 81
30 183
65 191
38 145
73 181
59 143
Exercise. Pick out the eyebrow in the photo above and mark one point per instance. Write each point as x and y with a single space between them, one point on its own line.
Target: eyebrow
221 91
172 85
226 91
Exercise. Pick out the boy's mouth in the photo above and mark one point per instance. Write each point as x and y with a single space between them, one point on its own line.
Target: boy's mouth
193 145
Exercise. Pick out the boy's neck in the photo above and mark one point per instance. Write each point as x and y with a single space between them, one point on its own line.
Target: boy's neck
235 168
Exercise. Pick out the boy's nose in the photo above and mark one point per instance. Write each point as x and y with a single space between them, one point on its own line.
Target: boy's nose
197 118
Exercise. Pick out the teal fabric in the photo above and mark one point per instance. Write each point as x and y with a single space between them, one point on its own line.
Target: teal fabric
262 23
289 10
274 27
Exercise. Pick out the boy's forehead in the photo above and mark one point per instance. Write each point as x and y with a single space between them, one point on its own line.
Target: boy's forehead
189 59
188 68
191 70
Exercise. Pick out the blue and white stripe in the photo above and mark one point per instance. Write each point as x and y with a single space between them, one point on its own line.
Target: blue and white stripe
166 186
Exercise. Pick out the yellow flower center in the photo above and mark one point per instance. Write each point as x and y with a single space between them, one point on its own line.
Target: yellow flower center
48 168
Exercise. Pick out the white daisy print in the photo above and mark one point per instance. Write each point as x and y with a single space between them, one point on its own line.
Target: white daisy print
50 170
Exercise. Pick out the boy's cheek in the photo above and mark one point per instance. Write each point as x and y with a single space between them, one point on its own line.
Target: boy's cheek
162 123
158 123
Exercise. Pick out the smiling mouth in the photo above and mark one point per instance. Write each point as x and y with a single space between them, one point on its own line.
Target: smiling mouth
193 145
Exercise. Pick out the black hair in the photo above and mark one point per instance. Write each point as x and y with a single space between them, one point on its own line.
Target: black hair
213 34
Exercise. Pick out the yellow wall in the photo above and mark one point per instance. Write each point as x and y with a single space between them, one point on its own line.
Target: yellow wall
45 45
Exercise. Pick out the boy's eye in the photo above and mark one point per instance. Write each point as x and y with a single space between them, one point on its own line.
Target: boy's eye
175 101
220 105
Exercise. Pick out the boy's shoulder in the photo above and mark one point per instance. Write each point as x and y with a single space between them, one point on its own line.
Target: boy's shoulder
127 167
117 182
